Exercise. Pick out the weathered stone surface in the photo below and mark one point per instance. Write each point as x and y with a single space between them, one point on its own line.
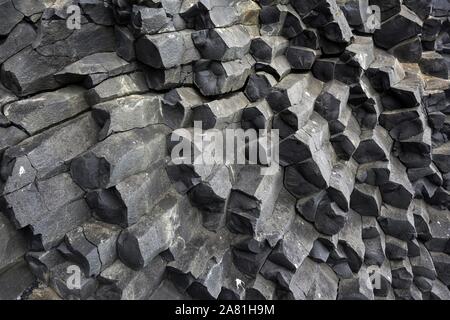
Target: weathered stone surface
359 208
252 199
402 275
366 200
165 79
277 224
291 251
15 281
79 250
124 43
148 20
309 139
288 92
127 113
139 244
59 282
118 282
46 109
267 48
10 16
374 242
133 197
357 288
117 87
214 78
10 137
433 64
94 68
113 159
407 25
219 114
31 71
36 156
52 206
210 197
20 37
13 244
222 44
375 145
396 222
278 67
322 286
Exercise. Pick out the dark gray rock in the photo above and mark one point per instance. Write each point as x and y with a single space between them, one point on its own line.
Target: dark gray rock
15 281
314 281
257 115
260 289
215 78
210 197
441 262
19 38
219 114
139 244
252 199
422 265
301 58
124 43
408 51
95 68
397 222
10 137
177 106
396 249
295 246
224 44
301 145
127 113
10 17
165 79
167 50
266 48
439 291
259 86
357 288
375 145
332 105
124 85
13 244
82 252
36 156
138 194
60 281
405 25
366 200
402 275
147 20
40 263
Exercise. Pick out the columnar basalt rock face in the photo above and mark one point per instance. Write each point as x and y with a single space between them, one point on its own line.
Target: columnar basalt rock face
87 120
